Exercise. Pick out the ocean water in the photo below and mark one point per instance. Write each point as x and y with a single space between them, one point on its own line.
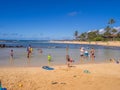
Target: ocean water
57 51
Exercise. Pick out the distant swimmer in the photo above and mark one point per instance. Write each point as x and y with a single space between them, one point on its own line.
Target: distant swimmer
40 51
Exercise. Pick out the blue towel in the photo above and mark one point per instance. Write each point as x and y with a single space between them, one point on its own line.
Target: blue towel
3 88
47 68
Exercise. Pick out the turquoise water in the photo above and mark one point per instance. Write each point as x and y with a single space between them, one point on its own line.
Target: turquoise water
57 51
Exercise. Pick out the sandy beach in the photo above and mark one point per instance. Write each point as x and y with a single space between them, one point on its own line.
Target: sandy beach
90 76
105 76
107 43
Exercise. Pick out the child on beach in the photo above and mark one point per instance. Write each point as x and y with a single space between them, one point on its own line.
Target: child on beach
49 58
86 54
69 60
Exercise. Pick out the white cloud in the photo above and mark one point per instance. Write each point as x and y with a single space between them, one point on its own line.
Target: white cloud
74 13
118 28
101 31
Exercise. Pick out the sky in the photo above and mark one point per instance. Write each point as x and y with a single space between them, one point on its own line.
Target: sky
54 19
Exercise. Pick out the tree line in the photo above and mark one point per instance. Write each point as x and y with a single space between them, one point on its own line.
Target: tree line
109 34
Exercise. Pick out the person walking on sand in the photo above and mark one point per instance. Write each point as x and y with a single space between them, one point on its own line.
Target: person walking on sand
92 54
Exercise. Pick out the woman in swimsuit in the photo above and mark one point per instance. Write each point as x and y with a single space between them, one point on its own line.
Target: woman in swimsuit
92 54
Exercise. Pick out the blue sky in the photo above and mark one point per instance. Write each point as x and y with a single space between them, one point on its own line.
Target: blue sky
54 19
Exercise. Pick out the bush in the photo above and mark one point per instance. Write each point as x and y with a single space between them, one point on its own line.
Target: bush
98 39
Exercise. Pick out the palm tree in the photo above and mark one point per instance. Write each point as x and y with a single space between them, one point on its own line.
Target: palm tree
113 31
111 21
76 34
107 32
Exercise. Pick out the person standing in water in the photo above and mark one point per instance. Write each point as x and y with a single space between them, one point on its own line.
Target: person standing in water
81 54
92 54
49 59
86 54
29 51
68 60
67 49
11 56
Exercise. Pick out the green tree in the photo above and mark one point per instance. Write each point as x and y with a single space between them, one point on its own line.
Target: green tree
118 36
114 31
99 38
107 32
83 36
92 35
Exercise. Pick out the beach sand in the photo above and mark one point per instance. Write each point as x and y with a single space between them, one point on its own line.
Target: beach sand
106 43
104 76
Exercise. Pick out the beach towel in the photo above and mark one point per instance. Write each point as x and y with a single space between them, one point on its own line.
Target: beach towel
3 88
47 68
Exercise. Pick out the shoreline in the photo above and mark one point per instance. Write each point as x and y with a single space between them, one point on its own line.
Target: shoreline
108 43
99 76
